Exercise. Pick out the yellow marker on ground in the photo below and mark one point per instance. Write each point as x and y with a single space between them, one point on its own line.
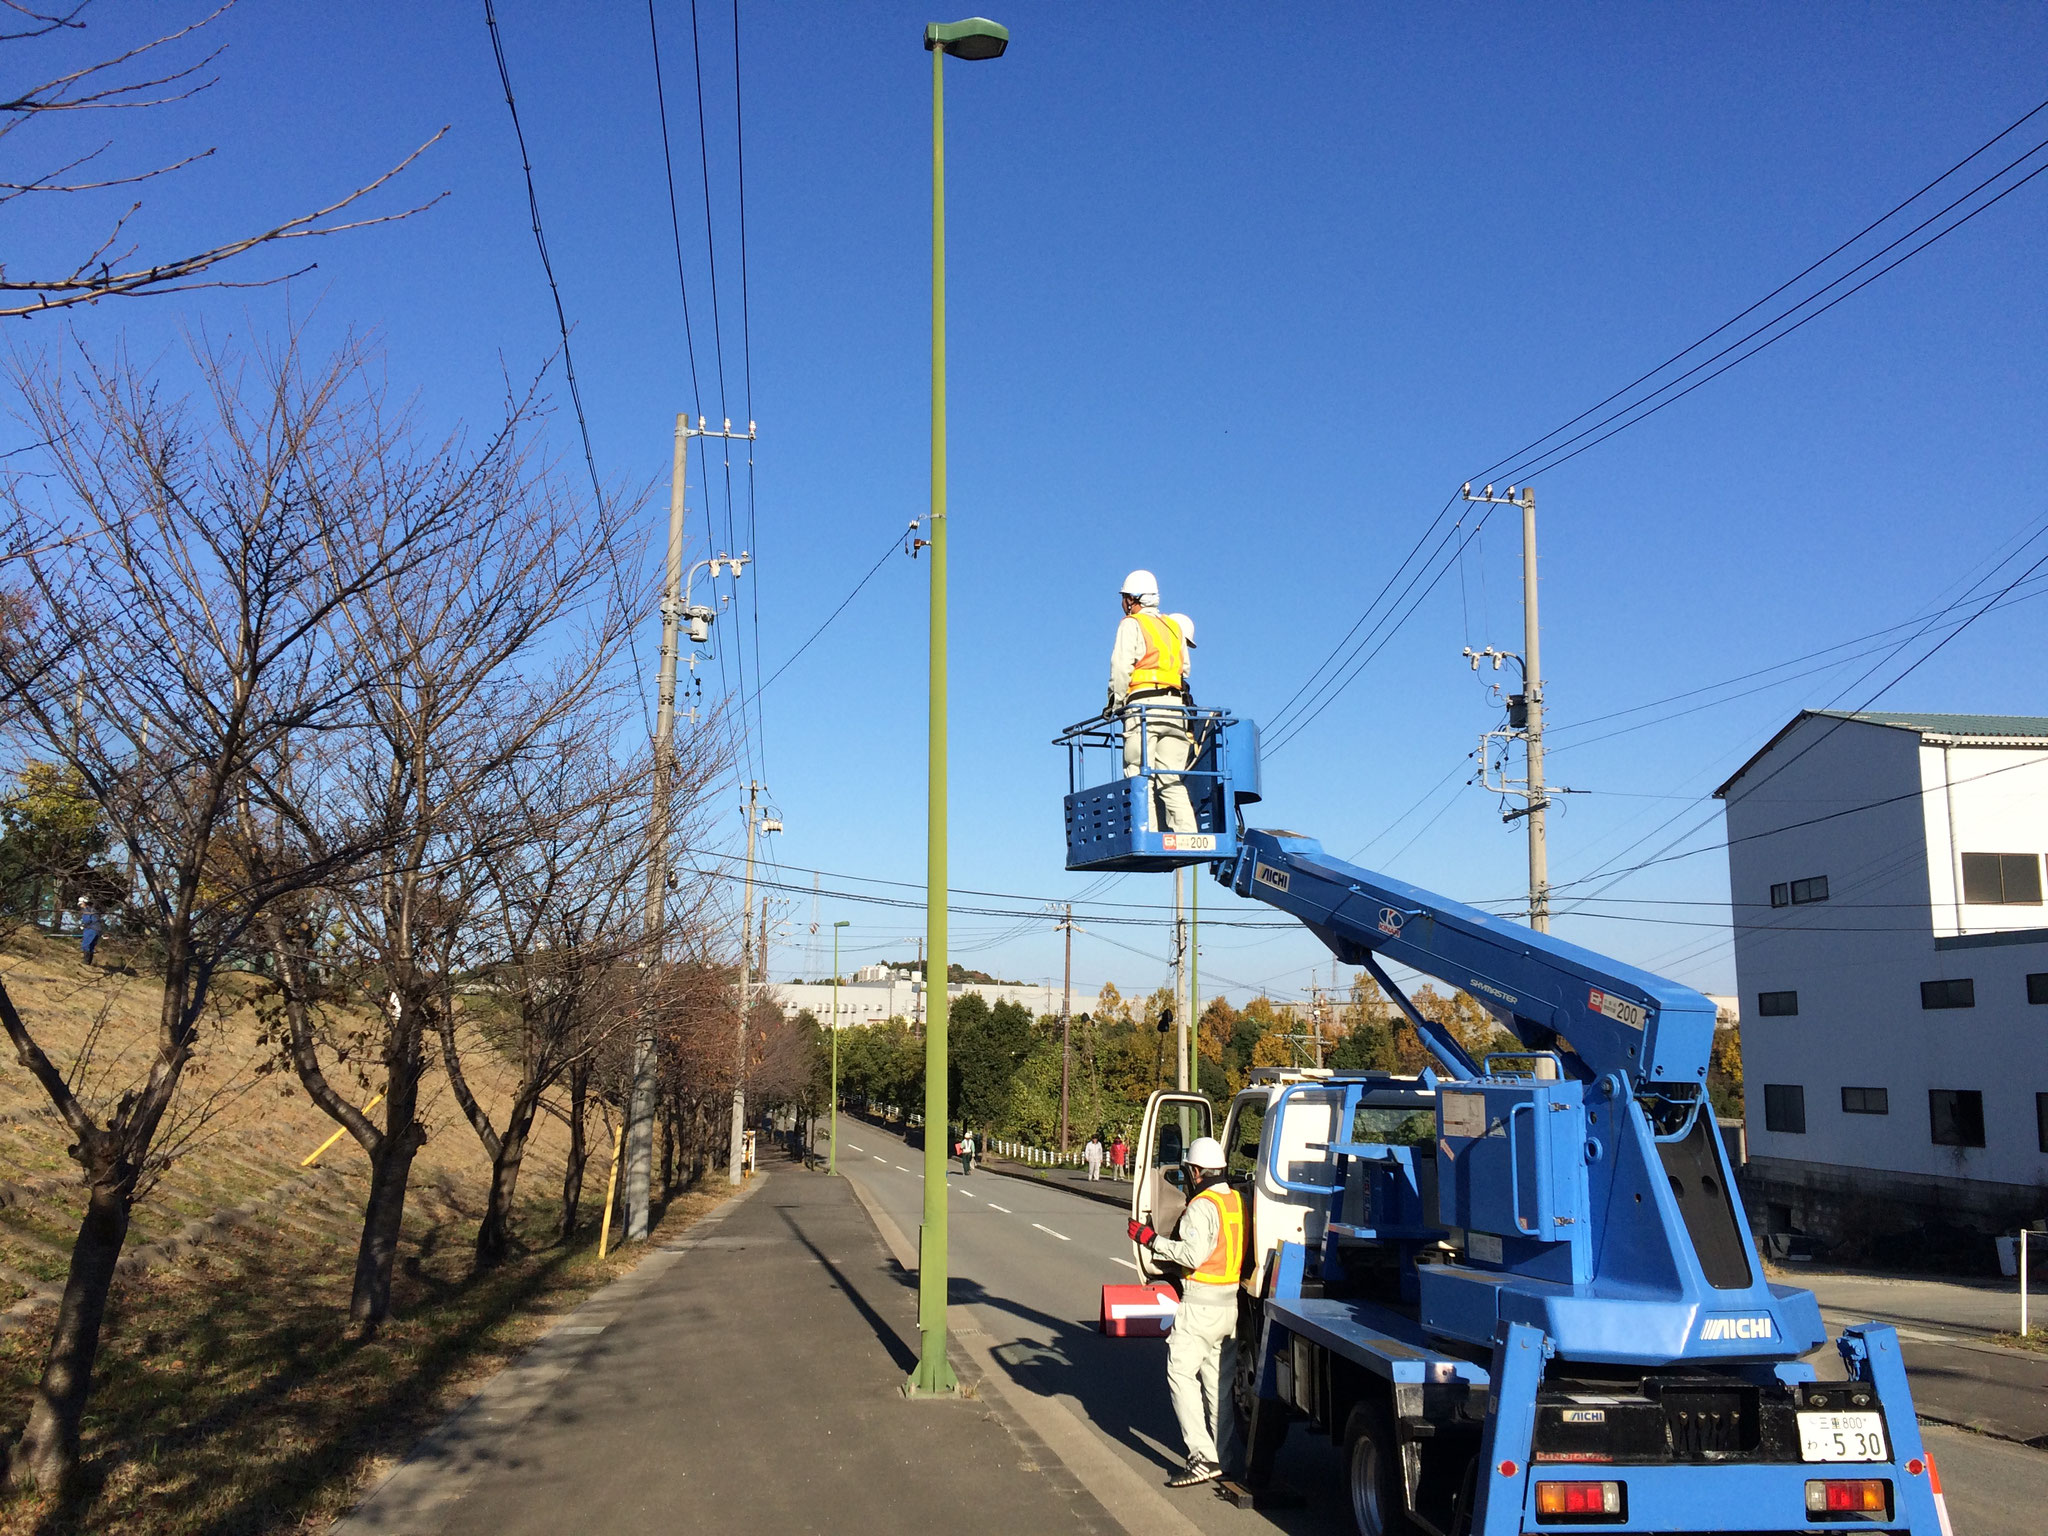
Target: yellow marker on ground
314 1156
611 1189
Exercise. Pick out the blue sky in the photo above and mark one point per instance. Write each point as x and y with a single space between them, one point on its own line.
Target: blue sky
1237 294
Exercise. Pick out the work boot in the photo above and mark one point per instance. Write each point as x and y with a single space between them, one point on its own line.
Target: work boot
1198 1472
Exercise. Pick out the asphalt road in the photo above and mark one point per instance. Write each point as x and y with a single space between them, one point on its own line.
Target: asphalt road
1029 1261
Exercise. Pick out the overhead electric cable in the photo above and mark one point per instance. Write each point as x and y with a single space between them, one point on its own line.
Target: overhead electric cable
1498 466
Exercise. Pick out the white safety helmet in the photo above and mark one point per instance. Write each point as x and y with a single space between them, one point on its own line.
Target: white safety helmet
1205 1152
1142 585
1186 626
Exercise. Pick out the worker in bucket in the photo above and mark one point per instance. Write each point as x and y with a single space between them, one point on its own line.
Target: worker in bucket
1148 686
1201 1351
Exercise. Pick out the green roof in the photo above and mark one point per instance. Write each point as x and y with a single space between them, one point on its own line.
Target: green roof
2031 730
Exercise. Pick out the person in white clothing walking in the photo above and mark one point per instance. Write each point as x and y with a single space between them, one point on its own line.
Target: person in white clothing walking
1092 1156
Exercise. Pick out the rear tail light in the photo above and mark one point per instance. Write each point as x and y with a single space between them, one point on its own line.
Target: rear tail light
1837 1498
1581 1503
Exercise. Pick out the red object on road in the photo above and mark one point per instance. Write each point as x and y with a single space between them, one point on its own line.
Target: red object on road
1138 1311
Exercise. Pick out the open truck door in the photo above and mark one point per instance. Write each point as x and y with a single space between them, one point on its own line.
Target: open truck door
1172 1121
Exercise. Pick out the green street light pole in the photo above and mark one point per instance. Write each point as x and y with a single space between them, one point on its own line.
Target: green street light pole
832 1109
974 38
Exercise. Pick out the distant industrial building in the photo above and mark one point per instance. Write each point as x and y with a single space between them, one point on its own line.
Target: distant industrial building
1891 951
878 993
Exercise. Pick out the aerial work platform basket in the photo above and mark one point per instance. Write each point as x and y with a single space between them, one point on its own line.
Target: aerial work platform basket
1115 824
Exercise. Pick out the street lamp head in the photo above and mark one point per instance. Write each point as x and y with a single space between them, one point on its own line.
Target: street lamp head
975 38
844 922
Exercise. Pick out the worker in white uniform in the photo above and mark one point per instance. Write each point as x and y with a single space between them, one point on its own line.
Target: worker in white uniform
1201 1349
1148 686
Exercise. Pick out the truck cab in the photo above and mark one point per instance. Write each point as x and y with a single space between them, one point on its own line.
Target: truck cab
1276 1132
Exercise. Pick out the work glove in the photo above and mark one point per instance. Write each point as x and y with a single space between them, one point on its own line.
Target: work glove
1109 705
1141 1232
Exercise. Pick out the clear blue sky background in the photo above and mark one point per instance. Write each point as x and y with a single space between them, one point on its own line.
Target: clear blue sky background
1237 294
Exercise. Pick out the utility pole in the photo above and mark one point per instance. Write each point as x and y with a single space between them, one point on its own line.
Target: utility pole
736 1152
1195 976
1066 926
1525 711
675 609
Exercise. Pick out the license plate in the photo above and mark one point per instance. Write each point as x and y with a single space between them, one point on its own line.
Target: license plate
1842 1437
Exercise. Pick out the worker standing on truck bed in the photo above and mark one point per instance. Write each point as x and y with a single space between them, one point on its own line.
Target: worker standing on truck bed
1148 684
1201 1351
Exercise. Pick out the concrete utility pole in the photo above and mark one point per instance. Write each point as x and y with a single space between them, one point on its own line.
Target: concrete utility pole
675 609
1525 711
736 1153
1066 926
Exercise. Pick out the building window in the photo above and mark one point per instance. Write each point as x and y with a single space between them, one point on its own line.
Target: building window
1777 1005
1959 993
2037 987
1956 1116
1785 1108
1866 1101
2041 1120
2002 879
1797 893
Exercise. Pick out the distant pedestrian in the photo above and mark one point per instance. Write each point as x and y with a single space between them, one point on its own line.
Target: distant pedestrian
1119 1156
1092 1156
966 1151
88 928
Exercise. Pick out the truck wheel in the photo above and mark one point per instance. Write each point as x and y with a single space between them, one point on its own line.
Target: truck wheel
1373 1457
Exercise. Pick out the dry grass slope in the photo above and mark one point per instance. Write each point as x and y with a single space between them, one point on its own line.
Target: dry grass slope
230 1395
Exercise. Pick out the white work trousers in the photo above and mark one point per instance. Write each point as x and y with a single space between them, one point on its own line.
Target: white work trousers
1201 1361
1163 744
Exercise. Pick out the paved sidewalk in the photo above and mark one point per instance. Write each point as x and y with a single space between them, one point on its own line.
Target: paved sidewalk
747 1379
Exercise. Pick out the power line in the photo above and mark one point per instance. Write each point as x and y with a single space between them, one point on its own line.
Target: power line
1552 458
1832 727
540 241
547 267
895 543
1534 458
1495 469
674 219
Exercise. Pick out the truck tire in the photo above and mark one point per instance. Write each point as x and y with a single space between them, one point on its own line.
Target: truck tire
1372 1459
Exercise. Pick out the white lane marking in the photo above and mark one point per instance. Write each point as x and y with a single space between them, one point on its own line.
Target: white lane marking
878 1157
857 1149
1003 1208
970 1194
901 1169
1127 1264
1048 1231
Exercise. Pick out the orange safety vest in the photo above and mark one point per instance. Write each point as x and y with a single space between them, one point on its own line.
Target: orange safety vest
1225 1264
1164 664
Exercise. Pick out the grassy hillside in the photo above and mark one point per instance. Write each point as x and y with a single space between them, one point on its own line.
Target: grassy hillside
230 1395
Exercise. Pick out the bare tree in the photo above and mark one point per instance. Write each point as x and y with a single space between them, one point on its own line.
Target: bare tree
564 867
477 663
178 644
145 76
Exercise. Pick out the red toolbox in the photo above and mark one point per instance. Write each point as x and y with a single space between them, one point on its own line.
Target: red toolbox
1138 1311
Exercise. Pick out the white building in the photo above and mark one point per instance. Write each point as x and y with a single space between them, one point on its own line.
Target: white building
1891 952
901 995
